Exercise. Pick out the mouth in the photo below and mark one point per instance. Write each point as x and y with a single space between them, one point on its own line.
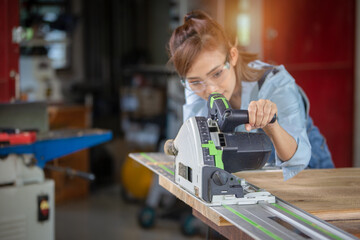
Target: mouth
219 93
225 95
222 93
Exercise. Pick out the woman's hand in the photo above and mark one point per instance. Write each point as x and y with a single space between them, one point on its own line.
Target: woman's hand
260 113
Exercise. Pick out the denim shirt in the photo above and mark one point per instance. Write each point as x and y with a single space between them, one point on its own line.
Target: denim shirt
280 88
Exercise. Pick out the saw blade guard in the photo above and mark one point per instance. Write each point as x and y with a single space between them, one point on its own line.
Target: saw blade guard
245 151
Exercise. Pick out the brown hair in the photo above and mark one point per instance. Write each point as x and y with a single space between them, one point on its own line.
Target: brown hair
200 32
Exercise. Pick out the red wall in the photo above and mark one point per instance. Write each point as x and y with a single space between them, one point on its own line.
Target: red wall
9 52
314 39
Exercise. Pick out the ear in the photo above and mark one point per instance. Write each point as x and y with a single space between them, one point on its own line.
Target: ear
234 56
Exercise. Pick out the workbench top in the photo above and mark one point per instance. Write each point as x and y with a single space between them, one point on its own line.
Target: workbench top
330 194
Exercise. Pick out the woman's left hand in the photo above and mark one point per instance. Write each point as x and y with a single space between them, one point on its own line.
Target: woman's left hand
260 113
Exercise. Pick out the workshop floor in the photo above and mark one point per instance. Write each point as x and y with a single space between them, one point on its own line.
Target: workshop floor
104 215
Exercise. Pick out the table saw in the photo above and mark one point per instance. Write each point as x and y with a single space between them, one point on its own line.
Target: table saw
26 198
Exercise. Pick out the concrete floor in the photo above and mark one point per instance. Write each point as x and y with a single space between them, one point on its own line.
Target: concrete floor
105 216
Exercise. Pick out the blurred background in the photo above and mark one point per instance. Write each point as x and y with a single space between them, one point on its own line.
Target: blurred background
103 64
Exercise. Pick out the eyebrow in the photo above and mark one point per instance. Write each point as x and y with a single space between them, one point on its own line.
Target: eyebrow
207 74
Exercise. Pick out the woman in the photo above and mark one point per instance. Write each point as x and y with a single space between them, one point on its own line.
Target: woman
208 62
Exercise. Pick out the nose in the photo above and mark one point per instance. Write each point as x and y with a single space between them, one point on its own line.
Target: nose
211 88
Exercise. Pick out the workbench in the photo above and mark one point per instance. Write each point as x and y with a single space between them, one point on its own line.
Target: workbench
332 195
329 194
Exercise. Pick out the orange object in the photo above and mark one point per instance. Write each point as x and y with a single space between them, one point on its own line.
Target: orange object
135 178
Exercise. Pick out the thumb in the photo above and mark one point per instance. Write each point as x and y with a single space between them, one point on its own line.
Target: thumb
248 127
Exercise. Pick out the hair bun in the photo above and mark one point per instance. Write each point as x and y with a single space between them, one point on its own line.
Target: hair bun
197 14
189 16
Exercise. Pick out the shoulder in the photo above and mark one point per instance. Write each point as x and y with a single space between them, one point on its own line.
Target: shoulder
257 64
279 77
280 85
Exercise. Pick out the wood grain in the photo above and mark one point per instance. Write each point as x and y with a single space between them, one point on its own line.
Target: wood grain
330 194
193 202
351 227
230 232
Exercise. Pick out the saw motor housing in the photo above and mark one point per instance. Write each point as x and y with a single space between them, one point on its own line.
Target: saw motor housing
206 157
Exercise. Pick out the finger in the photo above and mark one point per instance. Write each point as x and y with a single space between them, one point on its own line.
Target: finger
273 112
252 113
267 113
248 127
259 112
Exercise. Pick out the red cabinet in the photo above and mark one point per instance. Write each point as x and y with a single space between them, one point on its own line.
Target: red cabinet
315 40
9 51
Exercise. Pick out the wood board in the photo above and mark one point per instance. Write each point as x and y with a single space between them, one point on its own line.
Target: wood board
330 194
163 166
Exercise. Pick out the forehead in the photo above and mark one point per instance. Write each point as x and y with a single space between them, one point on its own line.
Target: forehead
206 61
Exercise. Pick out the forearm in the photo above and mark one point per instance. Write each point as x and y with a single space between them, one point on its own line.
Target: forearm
285 145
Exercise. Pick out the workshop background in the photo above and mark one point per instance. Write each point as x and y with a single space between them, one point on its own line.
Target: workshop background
103 64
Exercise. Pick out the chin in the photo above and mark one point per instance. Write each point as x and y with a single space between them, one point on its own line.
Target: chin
226 95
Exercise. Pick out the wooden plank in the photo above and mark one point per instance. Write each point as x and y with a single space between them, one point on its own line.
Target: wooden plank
163 165
193 202
350 226
155 162
230 232
330 194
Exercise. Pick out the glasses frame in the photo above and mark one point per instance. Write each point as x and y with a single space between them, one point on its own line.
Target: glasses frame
202 82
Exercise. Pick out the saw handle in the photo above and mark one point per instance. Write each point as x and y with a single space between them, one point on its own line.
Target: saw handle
227 118
233 118
241 116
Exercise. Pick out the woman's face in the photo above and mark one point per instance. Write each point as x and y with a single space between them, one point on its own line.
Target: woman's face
209 68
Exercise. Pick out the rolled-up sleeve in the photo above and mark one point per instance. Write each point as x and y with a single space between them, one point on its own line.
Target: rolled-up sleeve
281 89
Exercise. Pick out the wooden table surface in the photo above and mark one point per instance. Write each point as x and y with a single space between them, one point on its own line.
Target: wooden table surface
330 194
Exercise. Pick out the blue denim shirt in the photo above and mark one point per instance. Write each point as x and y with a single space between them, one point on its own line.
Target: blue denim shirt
280 88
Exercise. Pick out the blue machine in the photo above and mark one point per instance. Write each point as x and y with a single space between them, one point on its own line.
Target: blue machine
27 198
55 144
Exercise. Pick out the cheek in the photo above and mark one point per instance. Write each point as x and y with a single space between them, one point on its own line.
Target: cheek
233 79
230 85
203 95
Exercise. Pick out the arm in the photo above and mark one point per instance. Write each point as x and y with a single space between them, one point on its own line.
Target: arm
289 133
285 145
260 114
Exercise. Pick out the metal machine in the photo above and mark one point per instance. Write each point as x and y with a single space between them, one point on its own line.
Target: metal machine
208 150
26 197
